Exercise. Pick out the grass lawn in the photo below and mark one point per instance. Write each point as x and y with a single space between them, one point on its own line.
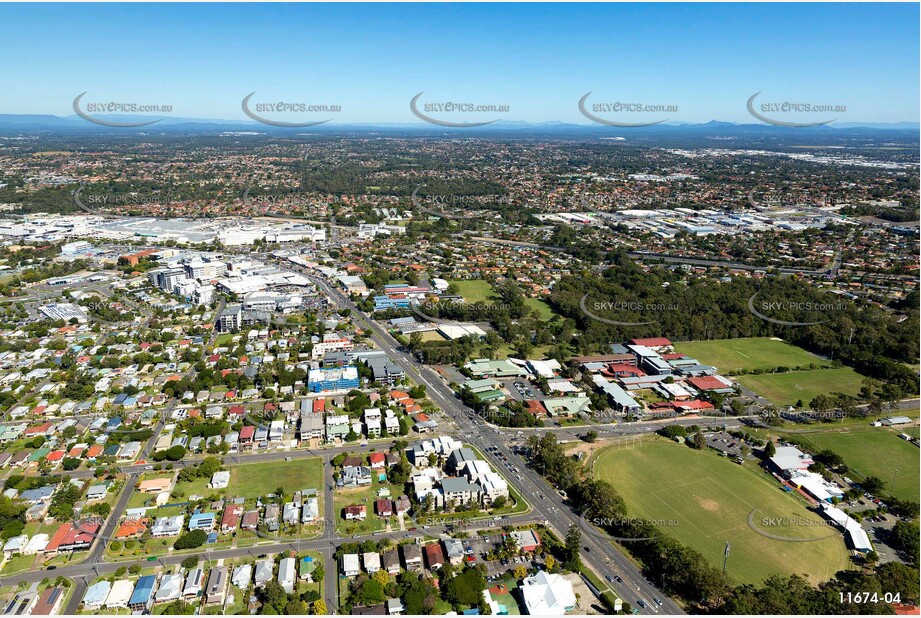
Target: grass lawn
705 500
873 451
648 395
18 563
505 350
432 335
474 290
507 599
785 389
543 310
304 586
361 495
225 339
138 500
729 355
255 480
198 487
480 291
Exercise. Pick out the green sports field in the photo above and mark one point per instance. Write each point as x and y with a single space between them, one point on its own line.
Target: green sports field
873 451
705 500
474 290
731 355
785 389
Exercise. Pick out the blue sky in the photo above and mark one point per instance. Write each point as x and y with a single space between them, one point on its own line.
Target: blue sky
538 59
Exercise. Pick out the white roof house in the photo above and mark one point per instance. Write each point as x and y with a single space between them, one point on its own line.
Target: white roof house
194 582
220 480
546 594
815 485
96 595
242 575
372 561
129 450
264 570
16 544
896 420
170 588
350 565
120 593
36 544
168 526
286 574
310 510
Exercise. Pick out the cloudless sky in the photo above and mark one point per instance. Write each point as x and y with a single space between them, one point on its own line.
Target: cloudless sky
538 59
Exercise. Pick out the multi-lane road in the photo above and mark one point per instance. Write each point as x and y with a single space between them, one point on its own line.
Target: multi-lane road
548 507
604 558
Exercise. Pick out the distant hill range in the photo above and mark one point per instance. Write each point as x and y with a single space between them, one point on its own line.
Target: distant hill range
47 122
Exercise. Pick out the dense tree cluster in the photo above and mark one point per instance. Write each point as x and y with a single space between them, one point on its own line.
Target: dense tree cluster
794 595
867 338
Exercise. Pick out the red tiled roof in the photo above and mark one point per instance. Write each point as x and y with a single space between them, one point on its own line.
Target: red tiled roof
694 404
95 451
706 383
535 407
67 535
231 516
43 428
651 342
434 554
131 527
615 368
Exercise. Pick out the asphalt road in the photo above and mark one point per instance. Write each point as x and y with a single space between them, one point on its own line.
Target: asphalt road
547 506
603 558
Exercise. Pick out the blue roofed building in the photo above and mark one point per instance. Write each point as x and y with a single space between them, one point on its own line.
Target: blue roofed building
142 597
382 303
201 521
333 379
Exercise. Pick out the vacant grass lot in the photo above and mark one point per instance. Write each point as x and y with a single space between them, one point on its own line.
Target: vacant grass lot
543 310
479 291
785 389
474 290
705 500
362 495
255 480
729 355
432 335
873 451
